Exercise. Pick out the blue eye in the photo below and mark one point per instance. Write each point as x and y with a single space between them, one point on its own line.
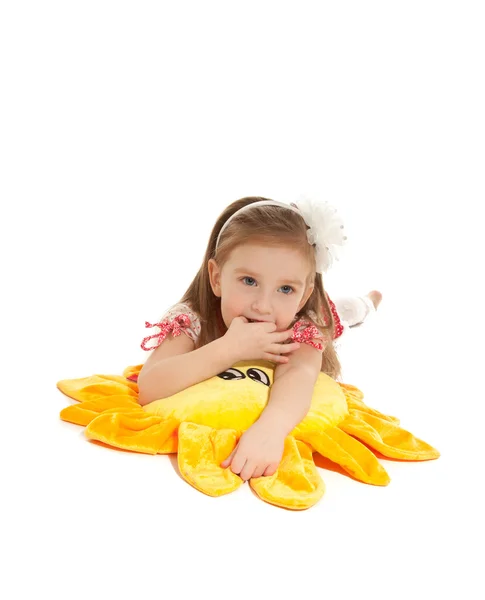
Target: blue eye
251 282
289 288
251 278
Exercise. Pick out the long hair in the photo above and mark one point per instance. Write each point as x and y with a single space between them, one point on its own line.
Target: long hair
270 225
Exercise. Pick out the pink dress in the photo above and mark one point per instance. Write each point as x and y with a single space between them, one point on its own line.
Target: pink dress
182 319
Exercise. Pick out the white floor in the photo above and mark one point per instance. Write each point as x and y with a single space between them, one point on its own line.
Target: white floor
124 134
104 523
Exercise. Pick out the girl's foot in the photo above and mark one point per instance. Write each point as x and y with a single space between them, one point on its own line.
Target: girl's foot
362 308
375 298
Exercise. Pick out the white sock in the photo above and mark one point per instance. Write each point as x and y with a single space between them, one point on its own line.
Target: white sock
354 309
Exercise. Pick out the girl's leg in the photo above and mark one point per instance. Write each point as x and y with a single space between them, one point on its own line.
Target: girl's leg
354 310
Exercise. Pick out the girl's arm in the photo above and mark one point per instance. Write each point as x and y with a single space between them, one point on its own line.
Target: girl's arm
260 448
175 365
292 390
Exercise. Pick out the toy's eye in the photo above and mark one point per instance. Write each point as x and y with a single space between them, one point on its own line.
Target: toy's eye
258 375
231 374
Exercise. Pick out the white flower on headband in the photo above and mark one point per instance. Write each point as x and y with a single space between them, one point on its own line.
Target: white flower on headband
326 231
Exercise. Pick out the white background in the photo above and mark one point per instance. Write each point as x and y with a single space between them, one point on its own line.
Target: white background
126 128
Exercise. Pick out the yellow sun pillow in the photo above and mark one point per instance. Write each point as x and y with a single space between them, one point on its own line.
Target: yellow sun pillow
203 424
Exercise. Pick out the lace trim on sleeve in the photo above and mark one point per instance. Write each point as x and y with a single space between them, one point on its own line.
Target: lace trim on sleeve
175 327
179 319
307 333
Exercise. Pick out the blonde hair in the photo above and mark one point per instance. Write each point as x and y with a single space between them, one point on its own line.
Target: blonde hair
270 225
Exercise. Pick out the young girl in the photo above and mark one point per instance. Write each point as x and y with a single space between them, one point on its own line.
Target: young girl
258 295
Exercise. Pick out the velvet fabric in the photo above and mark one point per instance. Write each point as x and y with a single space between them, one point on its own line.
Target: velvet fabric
203 424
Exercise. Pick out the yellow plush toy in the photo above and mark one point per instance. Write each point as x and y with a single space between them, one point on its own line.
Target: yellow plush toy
203 424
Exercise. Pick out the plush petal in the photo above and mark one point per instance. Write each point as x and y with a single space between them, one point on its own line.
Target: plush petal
132 371
387 437
296 484
352 392
350 454
354 402
204 422
84 412
134 430
91 388
201 450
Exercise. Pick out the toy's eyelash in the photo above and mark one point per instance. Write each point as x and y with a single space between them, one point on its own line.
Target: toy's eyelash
248 277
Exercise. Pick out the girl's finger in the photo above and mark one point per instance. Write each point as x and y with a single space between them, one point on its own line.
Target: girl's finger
279 349
282 336
270 469
278 358
227 462
247 471
286 348
238 463
258 471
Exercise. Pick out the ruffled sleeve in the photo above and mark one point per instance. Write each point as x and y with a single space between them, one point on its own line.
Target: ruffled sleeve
339 328
306 332
178 319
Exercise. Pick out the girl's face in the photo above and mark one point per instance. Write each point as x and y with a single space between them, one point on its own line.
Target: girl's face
261 283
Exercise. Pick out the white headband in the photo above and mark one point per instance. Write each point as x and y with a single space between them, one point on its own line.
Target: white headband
325 228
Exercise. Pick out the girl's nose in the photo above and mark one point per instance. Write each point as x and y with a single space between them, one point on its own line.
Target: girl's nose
262 305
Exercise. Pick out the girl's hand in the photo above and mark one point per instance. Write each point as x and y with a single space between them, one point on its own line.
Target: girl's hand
257 454
254 341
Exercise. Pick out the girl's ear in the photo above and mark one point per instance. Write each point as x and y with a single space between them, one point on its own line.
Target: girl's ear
214 277
306 295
